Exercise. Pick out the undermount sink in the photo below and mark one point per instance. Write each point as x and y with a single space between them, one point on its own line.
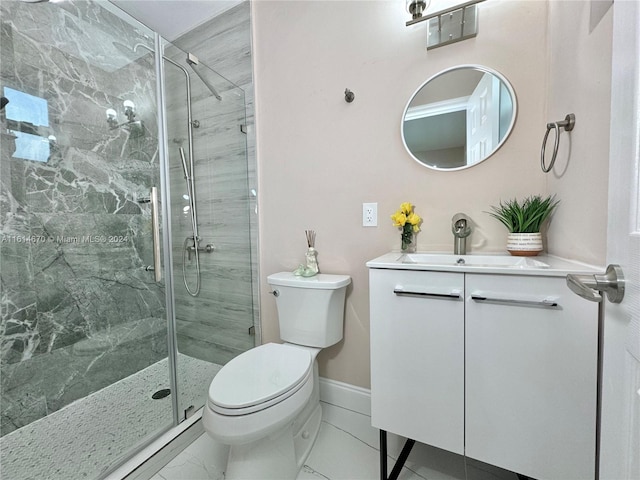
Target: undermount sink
439 259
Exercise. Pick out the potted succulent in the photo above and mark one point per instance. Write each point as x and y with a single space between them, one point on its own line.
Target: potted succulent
523 220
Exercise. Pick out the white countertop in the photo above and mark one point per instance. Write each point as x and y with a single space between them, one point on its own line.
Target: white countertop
541 265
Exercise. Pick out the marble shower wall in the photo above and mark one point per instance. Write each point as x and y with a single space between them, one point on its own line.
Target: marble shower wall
215 325
78 310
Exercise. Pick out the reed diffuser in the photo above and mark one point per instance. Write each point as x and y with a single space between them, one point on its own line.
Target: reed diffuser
311 268
312 253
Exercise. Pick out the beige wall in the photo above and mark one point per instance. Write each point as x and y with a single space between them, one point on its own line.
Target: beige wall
320 158
580 83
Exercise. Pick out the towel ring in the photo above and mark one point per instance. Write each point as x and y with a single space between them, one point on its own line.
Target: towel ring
568 123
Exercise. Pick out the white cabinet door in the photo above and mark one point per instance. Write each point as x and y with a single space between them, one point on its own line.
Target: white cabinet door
531 377
417 355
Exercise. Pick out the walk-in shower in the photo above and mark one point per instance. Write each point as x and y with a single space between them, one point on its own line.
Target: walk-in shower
97 357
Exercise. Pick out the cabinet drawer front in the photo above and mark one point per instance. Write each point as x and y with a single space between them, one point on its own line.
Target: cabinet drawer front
530 376
417 356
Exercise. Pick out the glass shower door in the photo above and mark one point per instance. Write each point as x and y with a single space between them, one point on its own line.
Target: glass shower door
213 291
83 333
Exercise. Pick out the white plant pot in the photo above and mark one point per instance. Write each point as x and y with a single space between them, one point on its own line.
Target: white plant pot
524 244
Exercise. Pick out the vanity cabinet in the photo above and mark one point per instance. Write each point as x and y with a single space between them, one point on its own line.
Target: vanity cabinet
417 356
531 365
501 368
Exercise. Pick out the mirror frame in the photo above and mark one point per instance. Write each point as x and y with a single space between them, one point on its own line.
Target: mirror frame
481 68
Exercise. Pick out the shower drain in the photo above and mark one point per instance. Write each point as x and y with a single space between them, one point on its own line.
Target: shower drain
165 392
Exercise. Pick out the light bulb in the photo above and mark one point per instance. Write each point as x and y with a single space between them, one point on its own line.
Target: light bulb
416 7
129 110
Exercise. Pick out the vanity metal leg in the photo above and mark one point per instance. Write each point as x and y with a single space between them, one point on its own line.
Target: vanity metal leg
383 455
404 454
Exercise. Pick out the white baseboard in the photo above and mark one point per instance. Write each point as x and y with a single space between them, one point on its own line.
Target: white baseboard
346 396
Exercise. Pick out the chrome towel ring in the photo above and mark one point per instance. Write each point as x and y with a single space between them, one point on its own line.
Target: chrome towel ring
568 123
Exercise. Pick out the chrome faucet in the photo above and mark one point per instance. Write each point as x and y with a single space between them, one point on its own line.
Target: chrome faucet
461 230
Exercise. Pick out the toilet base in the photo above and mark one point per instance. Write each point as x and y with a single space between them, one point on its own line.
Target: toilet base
277 457
270 458
306 436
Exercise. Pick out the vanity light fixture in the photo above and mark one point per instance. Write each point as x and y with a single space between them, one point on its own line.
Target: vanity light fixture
416 7
133 126
112 118
450 25
129 109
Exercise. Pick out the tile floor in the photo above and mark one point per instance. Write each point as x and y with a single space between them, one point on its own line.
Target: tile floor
346 449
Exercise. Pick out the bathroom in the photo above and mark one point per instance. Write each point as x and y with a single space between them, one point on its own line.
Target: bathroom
302 56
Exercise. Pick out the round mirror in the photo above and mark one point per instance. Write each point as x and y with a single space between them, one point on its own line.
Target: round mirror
459 117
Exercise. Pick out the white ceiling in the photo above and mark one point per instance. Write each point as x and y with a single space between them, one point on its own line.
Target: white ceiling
172 18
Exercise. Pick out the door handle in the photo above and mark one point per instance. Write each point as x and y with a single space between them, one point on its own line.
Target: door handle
155 232
592 286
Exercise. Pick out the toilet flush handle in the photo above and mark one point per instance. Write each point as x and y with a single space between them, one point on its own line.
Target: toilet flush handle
275 293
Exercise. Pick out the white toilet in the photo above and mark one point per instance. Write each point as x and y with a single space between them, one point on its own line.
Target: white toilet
265 403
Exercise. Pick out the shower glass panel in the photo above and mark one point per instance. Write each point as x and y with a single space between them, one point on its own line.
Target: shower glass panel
83 332
215 325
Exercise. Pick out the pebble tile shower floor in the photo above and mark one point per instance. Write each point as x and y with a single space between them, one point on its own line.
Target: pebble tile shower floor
85 438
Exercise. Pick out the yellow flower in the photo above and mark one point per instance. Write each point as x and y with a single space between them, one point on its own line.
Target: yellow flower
409 223
414 219
399 219
406 208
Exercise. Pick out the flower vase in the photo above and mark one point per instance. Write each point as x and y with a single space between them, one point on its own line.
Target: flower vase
407 242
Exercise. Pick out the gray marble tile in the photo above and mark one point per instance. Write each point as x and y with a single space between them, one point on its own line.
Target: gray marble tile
74 237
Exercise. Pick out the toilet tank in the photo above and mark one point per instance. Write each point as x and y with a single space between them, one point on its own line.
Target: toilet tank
310 309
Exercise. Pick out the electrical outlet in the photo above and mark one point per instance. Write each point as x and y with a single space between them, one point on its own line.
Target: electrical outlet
369 214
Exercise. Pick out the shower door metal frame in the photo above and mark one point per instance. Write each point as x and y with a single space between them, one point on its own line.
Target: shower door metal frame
165 200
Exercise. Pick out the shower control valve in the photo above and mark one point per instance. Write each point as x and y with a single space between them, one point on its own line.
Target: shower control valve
208 248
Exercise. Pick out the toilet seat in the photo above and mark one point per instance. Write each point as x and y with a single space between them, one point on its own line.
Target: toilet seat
259 378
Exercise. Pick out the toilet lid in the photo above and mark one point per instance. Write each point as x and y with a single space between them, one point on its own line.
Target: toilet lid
259 375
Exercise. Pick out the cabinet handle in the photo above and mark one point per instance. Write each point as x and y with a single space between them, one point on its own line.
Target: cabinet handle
546 303
454 295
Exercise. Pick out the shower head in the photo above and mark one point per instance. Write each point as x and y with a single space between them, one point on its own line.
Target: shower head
127 50
142 45
133 53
